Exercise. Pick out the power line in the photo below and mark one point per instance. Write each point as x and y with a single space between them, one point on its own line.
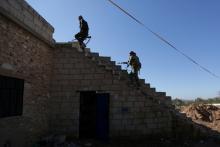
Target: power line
164 40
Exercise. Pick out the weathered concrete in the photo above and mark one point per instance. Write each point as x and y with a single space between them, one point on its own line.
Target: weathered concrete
23 14
24 56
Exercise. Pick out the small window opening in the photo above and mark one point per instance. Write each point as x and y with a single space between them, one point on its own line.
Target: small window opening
11 96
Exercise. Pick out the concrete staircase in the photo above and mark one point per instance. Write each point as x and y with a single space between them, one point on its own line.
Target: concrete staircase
123 75
161 104
157 97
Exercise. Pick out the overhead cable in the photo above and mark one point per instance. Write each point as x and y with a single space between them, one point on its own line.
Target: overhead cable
164 40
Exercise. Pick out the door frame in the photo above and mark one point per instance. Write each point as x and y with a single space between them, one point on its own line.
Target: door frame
106 121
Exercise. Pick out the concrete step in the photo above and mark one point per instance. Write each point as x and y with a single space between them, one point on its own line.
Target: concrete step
169 98
108 59
163 94
113 62
153 89
118 67
124 75
108 68
150 91
108 62
87 51
147 85
116 72
95 54
63 44
142 81
105 62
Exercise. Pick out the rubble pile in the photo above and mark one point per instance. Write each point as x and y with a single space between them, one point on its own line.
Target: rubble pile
204 112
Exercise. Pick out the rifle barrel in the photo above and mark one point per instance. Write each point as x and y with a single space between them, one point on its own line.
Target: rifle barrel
122 62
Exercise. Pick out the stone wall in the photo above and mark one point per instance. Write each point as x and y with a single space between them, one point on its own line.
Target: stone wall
23 55
23 14
74 72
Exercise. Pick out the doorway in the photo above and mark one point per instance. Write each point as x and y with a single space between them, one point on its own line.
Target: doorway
94 115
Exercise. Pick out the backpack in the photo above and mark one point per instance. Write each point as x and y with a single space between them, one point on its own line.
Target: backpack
138 63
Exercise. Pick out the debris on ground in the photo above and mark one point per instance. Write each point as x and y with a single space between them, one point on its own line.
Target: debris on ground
56 141
205 114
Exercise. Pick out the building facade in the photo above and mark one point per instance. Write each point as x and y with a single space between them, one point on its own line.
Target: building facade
53 88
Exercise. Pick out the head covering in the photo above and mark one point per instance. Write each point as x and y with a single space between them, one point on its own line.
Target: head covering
132 53
80 17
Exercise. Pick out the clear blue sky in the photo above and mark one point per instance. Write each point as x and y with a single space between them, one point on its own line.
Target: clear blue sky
193 26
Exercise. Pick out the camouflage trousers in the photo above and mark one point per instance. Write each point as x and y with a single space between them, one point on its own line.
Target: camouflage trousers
133 75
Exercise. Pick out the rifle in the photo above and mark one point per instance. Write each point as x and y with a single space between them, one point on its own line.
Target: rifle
127 65
124 63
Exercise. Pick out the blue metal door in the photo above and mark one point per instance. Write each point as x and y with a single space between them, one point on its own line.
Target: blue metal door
102 116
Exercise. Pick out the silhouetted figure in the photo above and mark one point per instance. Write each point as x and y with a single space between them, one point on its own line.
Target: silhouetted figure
84 31
135 64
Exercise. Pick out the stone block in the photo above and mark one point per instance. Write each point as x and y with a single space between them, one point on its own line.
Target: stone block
148 104
116 104
116 82
115 123
57 88
128 104
86 71
150 115
86 82
63 71
115 110
136 122
66 107
88 77
152 126
107 82
87 65
140 115
68 66
99 76
80 65
117 116
115 87
140 128
99 71
130 126
73 77
128 116
139 104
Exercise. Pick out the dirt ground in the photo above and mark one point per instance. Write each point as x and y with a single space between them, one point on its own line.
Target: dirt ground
153 143
160 142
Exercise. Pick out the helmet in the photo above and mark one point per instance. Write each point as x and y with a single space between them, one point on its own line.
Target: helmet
132 53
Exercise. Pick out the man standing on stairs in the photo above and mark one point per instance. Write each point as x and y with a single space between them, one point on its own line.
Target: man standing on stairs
135 64
84 31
